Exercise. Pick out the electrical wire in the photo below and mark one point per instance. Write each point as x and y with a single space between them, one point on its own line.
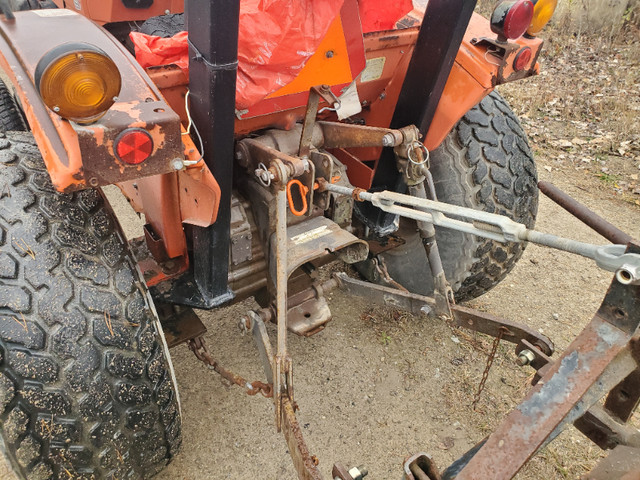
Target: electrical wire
195 129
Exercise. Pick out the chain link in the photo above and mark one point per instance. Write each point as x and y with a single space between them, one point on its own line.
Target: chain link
490 359
200 350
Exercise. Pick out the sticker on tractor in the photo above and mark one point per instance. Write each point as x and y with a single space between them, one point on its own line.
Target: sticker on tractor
53 12
373 70
311 235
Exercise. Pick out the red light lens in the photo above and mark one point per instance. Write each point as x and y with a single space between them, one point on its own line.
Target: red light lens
511 18
134 146
522 59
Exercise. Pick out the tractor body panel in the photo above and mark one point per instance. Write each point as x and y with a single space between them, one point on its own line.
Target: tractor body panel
107 11
79 156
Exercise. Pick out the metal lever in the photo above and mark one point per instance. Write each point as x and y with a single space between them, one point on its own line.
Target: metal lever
495 227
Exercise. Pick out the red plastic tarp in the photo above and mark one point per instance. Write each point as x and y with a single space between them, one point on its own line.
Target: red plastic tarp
276 38
378 15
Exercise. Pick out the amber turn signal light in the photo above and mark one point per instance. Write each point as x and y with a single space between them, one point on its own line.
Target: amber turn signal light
78 81
542 12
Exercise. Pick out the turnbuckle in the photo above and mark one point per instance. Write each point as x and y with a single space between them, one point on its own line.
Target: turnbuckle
611 258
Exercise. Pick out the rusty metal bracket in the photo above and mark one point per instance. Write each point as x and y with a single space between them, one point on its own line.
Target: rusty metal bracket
420 467
593 364
309 123
306 465
179 324
606 431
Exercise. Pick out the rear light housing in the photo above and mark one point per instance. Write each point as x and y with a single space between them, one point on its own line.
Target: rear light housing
543 10
511 18
523 57
78 81
133 146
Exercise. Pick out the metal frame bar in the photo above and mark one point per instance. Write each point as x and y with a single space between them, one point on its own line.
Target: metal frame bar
213 65
440 37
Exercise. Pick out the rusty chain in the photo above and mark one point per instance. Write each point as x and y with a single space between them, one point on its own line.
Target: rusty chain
485 374
200 350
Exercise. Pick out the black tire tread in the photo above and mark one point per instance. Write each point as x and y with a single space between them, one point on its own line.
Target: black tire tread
85 388
10 116
163 25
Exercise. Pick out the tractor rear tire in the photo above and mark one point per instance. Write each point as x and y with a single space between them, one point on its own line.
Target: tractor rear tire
18 5
485 163
86 384
163 25
10 116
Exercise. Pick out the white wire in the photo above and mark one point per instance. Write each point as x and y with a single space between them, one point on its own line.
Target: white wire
188 130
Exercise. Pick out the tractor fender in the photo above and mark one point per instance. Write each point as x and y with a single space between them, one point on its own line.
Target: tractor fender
475 73
78 156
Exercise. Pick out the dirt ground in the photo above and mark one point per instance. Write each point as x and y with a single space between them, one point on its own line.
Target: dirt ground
378 385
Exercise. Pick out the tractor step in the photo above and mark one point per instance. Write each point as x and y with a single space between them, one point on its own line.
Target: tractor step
179 324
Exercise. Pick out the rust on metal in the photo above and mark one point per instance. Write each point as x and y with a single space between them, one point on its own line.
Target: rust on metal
542 413
623 463
200 350
303 461
491 325
623 400
421 467
179 324
79 156
463 317
485 374
345 135
606 431
584 214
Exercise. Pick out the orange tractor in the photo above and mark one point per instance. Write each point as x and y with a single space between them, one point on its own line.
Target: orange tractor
262 140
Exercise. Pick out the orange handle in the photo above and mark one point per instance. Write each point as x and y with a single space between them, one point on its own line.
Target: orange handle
303 193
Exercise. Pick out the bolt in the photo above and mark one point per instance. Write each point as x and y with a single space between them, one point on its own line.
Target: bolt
329 54
358 473
56 109
388 140
177 164
525 357
244 324
93 181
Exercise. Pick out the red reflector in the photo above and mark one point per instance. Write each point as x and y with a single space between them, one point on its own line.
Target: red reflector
522 59
511 18
134 146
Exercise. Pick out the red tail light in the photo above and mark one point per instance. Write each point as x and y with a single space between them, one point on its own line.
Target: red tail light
522 59
511 18
133 146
